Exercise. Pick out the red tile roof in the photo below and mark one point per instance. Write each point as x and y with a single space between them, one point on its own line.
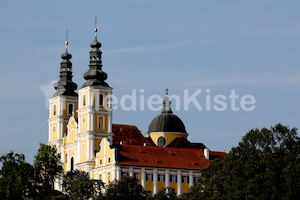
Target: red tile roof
128 134
216 154
182 143
180 154
153 156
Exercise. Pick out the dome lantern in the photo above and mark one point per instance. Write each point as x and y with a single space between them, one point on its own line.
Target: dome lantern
166 127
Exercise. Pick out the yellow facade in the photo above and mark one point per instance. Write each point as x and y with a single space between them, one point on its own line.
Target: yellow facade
81 129
160 185
84 135
169 137
173 185
149 186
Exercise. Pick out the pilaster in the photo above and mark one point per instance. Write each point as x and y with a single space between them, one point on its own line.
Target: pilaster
167 181
191 178
154 181
179 188
143 178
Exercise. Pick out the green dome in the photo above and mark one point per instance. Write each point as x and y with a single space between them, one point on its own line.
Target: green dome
166 122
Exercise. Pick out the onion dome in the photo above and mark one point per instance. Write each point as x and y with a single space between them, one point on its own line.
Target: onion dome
95 76
66 56
65 86
167 121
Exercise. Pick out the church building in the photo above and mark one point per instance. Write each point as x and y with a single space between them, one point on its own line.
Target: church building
81 127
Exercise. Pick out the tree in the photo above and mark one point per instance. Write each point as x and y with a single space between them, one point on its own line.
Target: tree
126 189
15 177
47 167
265 165
210 184
165 194
78 185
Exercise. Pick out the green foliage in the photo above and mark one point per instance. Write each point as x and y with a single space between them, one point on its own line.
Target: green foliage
47 167
265 165
165 194
15 177
126 189
78 185
19 180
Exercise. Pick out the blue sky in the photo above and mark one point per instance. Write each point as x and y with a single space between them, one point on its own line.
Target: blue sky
250 46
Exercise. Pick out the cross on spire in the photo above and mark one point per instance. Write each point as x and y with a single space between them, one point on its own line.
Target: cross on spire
96 20
66 42
96 30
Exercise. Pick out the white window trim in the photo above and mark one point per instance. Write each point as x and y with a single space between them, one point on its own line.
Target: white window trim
171 178
100 93
98 122
151 177
162 137
84 100
54 111
69 108
184 179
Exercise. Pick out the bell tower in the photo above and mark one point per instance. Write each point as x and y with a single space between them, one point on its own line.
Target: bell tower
94 109
63 103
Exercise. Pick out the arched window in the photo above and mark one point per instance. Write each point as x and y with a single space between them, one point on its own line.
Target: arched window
54 129
66 158
83 100
100 123
161 141
72 164
54 109
70 111
101 99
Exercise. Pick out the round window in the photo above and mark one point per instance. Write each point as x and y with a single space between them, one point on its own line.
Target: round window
161 141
